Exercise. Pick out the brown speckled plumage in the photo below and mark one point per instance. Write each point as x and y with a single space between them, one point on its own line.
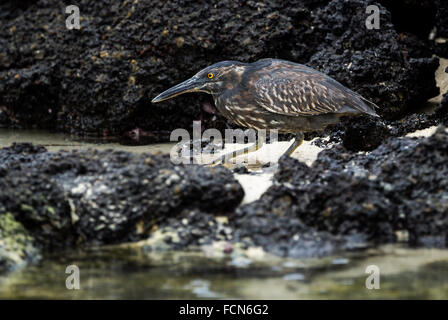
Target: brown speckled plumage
274 94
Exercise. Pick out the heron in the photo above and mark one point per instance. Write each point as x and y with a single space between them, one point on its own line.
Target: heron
274 94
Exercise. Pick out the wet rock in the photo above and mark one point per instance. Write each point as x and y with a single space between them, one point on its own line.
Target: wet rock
367 133
279 235
190 229
40 205
68 198
401 185
419 121
444 103
19 153
99 80
241 170
16 245
345 201
6 121
364 134
283 234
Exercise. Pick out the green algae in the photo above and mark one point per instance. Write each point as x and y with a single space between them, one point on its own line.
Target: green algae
16 245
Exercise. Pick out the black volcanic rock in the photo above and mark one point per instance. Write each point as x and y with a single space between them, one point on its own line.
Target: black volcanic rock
68 198
372 62
345 201
99 80
17 247
432 17
400 186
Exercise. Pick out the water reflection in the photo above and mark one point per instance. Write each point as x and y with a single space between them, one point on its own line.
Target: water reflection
115 273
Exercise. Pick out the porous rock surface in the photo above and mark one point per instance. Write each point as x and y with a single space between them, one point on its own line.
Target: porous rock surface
399 187
91 197
345 201
17 247
99 80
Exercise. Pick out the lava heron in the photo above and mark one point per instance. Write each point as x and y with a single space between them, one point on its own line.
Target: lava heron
274 94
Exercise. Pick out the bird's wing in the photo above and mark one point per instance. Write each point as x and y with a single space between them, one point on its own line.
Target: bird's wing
297 90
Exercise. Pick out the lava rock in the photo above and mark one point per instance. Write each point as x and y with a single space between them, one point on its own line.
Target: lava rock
283 234
192 228
19 153
442 19
40 205
401 185
432 18
419 121
16 245
365 134
67 198
371 62
99 80
406 12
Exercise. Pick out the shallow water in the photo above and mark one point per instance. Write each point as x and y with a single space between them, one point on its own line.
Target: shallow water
131 274
128 272
61 141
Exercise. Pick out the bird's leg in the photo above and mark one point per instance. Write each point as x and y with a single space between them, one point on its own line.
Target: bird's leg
230 155
297 142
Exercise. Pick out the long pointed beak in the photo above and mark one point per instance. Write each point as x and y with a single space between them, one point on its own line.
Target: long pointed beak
190 85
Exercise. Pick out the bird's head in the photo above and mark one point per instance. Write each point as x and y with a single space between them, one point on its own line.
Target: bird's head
214 79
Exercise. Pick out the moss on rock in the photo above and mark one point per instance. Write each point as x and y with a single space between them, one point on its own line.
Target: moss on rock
16 245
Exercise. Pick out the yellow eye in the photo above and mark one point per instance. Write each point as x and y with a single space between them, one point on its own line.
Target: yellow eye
210 75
